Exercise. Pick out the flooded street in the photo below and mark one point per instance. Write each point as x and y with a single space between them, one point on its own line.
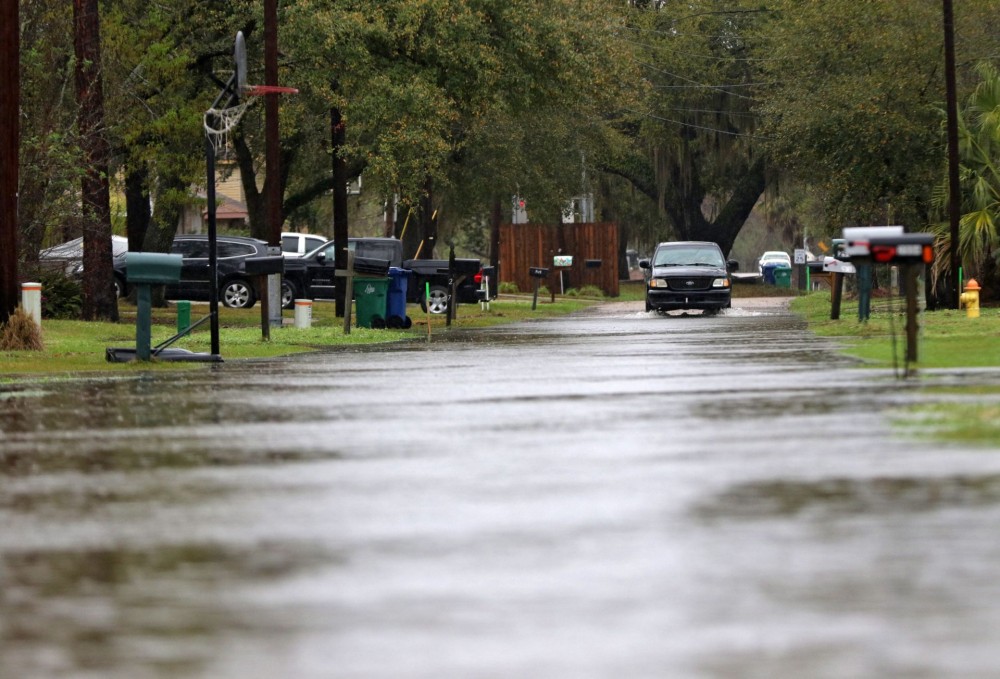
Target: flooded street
613 495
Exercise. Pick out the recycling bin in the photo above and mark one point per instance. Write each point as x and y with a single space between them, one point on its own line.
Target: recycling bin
370 301
783 277
768 271
395 313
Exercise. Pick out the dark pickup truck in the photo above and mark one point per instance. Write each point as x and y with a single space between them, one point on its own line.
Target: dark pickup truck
429 284
313 275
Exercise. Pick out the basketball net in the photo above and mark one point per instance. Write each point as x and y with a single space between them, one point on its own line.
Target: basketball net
219 122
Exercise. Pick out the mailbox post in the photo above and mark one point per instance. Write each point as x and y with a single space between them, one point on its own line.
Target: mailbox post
538 273
911 251
147 269
262 268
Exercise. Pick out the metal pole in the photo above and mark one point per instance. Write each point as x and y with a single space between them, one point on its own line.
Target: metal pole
954 189
213 250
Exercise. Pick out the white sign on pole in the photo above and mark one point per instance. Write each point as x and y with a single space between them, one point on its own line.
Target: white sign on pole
800 256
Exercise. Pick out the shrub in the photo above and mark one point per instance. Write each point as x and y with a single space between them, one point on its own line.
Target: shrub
509 288
20 333
62 296
585 291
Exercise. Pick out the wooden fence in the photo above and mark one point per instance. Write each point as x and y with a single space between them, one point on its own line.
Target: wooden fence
593 246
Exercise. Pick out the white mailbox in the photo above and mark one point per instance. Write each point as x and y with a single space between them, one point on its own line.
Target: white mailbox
857 238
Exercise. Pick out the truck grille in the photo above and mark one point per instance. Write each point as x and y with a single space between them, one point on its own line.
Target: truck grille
689 283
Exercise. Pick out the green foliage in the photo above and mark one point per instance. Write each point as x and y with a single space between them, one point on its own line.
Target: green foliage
856 118
585 291
62 296
979 176
508 288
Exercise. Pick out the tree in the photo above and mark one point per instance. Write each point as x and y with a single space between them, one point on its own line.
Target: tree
979 151
9 125
854 113
698 157
99 301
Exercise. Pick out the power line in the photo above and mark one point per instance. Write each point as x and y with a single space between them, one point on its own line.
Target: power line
698 127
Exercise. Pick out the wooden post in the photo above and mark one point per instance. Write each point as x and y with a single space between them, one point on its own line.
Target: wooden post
836 294
348 277
910 281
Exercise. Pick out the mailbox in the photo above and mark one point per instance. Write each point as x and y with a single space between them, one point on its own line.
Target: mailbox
857 238
592 263
562 260
538 272
907 248
152 267
264 266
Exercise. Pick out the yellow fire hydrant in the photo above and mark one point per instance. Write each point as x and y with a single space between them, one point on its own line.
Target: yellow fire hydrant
970 298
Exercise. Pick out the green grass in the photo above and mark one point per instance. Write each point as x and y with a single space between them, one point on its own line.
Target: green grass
977 424
946 338
78 346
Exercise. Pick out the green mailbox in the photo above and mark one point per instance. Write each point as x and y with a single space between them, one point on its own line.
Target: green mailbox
152 267
146 269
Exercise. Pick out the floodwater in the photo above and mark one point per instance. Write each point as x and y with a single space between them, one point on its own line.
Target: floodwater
613 495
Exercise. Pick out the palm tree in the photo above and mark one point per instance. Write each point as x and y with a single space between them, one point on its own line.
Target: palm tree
979 175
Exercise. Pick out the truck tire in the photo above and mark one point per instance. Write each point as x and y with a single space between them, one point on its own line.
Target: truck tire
288 294
437 302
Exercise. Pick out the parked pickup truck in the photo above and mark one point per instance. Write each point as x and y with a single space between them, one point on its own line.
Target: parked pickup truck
429 285
313 275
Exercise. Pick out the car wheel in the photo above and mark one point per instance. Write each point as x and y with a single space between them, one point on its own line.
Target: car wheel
237 294
648 306
288 294
120 290
437 302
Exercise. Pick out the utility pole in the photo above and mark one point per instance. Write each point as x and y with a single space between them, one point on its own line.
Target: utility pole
954 195
272 154
10 97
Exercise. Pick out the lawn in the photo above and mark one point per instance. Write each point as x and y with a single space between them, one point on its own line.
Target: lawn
79 346
946 338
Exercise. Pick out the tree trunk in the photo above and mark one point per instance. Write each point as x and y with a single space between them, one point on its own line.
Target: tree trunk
137 208
496 216
10 95
340 227
99 301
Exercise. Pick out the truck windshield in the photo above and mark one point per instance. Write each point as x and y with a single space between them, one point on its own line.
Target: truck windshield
689 256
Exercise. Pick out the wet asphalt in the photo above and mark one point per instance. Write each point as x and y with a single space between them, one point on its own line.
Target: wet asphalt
612 494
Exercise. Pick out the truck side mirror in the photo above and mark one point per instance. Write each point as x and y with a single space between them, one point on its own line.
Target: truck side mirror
643 263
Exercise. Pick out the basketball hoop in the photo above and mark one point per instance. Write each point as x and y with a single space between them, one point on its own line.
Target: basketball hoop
219 122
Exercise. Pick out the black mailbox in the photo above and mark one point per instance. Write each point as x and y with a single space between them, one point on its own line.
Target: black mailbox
538 272
264 266
592 263
905 248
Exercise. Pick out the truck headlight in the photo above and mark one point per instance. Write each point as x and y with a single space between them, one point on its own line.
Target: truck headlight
720 283
657 283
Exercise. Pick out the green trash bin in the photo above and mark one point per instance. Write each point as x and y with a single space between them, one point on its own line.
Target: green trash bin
783 277
370 295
